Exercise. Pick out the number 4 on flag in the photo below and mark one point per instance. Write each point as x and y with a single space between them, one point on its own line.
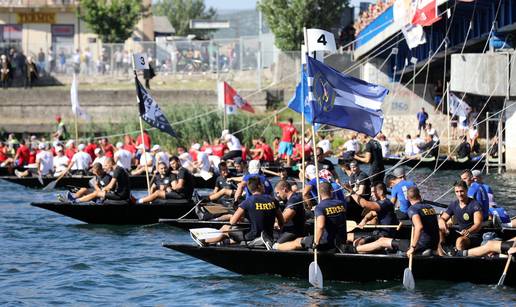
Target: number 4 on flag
140 61
320 40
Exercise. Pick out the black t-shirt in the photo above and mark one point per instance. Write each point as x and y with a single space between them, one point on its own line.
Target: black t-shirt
358 179
334 212
430 235
162 181
103 180
223 183
386 215
261 213
464 150
122 181
188 184
434 149
297 224
375 149
464 216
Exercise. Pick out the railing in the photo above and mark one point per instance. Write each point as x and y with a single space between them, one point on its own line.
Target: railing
37 3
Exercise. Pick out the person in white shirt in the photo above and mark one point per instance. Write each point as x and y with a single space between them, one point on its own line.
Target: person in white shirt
123 157
472 135
432 132
410 147
214 160
60 162
234 146
186 161
159 155
99 156
351 147
384 143
418 142
203 162
325 144
80 162
145 158
44 163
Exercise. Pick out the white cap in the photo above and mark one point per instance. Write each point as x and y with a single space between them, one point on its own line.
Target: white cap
70 143
196 146
119 145
224 132
59 148
155 147
476 173
81 147
42 145
254 167
97 150
310 171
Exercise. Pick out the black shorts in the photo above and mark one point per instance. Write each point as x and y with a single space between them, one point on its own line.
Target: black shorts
230 155
475 239
287 237
506 246
308 241
241 236
115 196
404 245
174 195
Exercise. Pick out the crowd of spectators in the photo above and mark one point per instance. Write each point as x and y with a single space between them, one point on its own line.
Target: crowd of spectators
374 10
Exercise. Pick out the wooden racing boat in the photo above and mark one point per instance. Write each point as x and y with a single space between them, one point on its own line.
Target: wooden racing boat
448 163
121 212
186 224
138 182
349 267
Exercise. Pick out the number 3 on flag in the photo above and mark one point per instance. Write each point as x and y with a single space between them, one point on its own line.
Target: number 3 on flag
320 40
140 61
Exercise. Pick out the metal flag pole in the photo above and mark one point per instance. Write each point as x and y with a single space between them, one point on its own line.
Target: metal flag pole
447 93
142 136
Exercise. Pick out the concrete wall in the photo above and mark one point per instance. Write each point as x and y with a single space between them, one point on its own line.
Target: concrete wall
510 137
34 110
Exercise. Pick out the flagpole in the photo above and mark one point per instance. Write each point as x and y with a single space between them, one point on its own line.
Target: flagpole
76 129
142 136
448 113
303 121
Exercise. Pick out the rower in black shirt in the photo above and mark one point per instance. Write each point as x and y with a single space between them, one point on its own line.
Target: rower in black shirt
225 187
161 179
331 224
373 156
468 215
260 209
293 213
116 189
382 209
358 180
426 230
464 150
97 183
429 150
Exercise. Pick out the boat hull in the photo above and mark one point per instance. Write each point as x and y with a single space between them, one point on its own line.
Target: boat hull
187 224
350 267
120 213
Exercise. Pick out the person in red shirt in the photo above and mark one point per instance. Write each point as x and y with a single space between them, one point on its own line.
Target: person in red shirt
218 148
288 136
3 153
262 151
129 144
205 145
70 149
107 148
90 149
146 139
22 154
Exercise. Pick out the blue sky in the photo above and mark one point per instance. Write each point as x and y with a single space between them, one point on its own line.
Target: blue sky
247 4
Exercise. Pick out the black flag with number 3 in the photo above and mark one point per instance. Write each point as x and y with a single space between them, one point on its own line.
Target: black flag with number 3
150 111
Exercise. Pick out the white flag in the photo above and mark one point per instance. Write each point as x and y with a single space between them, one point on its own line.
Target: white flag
140 61
414 35
320 40
319 56
74 98
458 107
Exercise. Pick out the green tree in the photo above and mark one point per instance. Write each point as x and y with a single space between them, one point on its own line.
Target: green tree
179 13
112 20
286 18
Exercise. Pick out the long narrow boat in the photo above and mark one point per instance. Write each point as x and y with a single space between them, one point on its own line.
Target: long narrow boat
350 267
447 164
136 182
121 212
186 224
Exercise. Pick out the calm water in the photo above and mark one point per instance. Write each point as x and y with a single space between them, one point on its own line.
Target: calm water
47 259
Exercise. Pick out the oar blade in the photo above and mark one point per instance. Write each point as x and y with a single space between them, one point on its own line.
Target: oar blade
50 186
40 179
502 280
315 276
408 279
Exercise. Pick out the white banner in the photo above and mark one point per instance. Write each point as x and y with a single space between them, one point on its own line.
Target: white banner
320 40
458 107
403 11
319 56
414 35
140 61
74 99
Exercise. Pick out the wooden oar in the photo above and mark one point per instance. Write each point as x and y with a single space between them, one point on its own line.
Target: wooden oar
408 278
52 184
270 172
352 225
506 269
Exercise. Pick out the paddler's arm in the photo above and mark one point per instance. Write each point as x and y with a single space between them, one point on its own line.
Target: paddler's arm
365 159
418 228
307 197
477 224
110 185
321 221
270 172
364 203
442 221
369 216
279 218
239 213
240 190
236 179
